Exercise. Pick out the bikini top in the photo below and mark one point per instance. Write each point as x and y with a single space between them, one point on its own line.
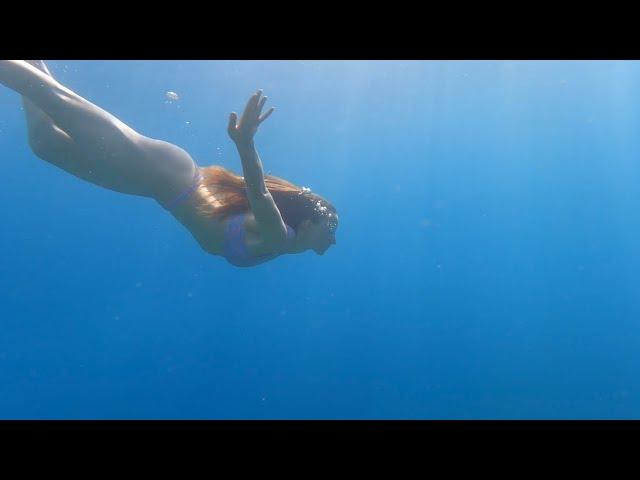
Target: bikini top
235 245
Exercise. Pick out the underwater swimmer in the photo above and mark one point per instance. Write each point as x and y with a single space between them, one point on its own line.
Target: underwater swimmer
248 220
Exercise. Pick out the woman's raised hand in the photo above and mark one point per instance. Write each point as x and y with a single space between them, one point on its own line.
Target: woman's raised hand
242 132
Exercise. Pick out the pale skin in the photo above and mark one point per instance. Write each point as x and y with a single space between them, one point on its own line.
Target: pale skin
79 137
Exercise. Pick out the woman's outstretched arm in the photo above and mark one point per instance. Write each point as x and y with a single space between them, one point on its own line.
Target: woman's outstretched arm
264 209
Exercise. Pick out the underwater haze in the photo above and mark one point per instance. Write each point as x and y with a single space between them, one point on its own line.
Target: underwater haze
486 264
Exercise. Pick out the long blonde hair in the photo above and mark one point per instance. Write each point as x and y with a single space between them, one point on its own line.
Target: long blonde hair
222 193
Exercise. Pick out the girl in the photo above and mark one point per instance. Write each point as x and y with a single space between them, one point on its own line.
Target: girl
247 220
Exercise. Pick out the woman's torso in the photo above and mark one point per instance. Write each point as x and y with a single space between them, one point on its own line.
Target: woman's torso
235 237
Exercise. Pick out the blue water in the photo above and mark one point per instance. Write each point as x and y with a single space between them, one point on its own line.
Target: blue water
486 264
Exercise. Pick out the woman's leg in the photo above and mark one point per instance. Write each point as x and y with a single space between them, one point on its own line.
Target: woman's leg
68 110
45 138
100 148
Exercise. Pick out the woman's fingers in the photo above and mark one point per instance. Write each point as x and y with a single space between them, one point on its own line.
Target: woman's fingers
251 104
252 110
260 105
264 116
233 121
256 99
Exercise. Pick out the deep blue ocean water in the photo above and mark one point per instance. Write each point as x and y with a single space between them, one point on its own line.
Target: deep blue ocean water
486 264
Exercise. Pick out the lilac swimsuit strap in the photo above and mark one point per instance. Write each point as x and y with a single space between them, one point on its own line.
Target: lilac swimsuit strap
235 247
183 196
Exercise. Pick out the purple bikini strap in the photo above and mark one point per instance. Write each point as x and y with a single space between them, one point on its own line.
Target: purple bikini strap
181 197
